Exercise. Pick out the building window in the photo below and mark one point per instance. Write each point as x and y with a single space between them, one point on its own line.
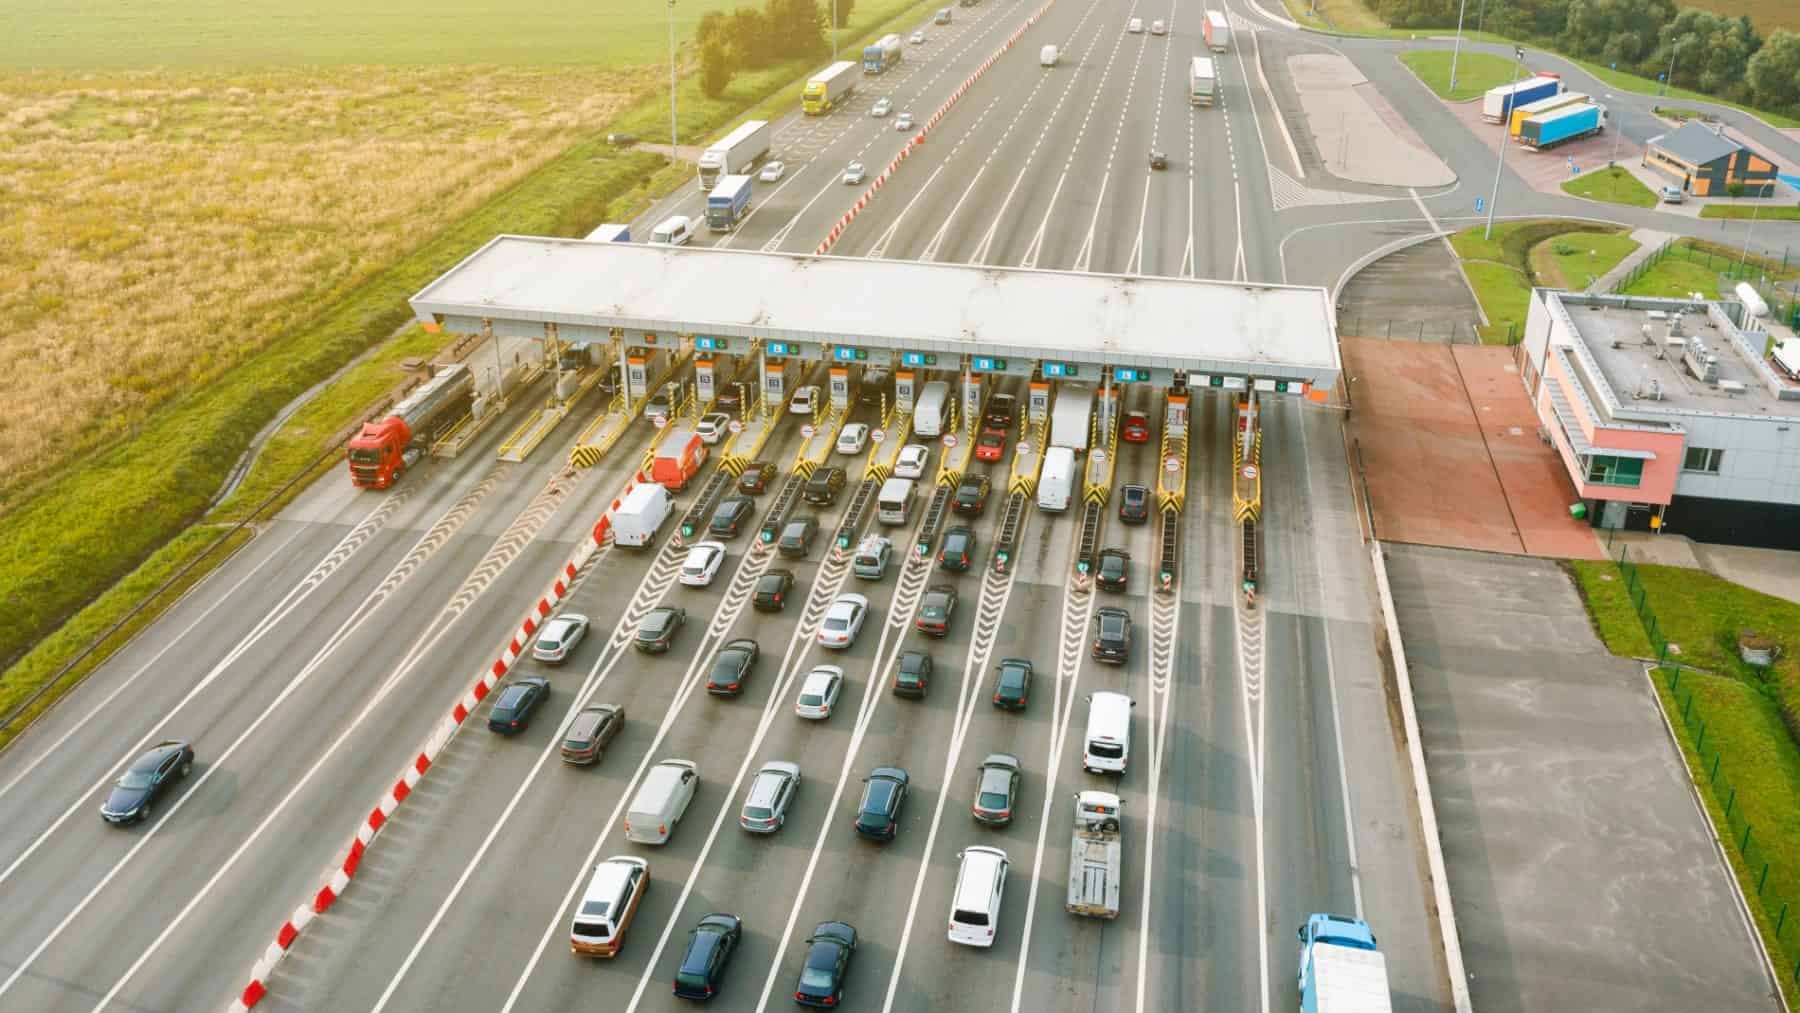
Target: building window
1604 469
1705 460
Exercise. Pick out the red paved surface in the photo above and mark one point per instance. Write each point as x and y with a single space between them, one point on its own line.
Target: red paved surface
1547 171
1449 447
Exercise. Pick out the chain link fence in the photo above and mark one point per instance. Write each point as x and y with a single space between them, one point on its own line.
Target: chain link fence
1764 274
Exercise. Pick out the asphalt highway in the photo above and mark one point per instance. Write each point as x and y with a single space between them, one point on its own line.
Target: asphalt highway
1267 780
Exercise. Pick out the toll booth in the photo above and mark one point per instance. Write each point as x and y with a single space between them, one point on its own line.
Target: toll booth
1037 401
840 387
972 400
904 390
774 383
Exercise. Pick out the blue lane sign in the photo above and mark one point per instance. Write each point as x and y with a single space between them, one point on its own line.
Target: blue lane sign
1480 202
844 353
986 364
917 359
706 344
781 347
1126 374
1053 370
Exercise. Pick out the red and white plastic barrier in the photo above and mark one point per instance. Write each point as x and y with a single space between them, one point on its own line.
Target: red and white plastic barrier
446 729
837 230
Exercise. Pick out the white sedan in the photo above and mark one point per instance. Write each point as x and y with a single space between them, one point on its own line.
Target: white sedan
918 37
772 172
912 461
805 400
843 621
882 107
903 122
712 427
819 693
702 565
854 173
853 439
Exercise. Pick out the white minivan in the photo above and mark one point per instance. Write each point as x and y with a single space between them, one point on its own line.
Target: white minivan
895 503
675 230
980 886
609 905
1047 56
1107 744
1056 481
661 801
931 412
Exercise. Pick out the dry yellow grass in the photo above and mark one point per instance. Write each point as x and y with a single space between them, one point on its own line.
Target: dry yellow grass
156 228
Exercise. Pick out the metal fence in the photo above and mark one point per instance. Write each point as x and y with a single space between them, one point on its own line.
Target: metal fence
1455 332
1783 296
1771 888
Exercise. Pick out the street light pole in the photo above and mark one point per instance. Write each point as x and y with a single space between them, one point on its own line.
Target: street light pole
1754 208
1457 49
1493 198
674 143
834 31
1669 78
1618 135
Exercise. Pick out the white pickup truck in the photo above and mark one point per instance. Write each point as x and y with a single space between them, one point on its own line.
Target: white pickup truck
1094 856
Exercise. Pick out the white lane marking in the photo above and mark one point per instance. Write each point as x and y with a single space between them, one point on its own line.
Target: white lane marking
996 591
1251 664
345 548
1077 616
1161 705
1240 270
105 704
1084 256
1037 240
887 236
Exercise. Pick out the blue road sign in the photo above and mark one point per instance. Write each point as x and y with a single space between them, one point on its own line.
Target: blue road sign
1480 202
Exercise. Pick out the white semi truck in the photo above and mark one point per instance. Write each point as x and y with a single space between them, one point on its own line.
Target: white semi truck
734 153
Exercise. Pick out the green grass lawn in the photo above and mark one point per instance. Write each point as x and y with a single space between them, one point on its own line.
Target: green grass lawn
1475 72
1761 212
1612 185
1335 15
1501 268
1675 278
1575 260
1504 293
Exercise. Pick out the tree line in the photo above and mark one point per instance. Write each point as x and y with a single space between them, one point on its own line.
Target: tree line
752 38
1714 54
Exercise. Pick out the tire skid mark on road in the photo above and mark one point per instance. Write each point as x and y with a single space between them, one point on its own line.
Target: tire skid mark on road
362 614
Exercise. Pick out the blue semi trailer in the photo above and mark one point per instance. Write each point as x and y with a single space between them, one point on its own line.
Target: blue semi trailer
1546 130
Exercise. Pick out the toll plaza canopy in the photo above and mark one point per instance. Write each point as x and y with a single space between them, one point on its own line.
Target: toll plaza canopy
518 284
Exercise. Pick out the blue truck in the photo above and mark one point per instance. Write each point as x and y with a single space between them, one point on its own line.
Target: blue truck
1546 130
1341 970
1497 105
728 203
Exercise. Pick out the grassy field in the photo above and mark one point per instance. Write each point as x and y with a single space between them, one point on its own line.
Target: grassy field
224 34
1767 15
1763 212
1335 15
1503 269
1675 278
1574 260
1612 185
1475 72
294 189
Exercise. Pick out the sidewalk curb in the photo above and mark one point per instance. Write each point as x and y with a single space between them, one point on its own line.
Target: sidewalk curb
257 989
1434 849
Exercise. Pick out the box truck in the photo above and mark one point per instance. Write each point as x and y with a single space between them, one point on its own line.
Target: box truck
1071 417
1341 971
734 153
1203 82
1499 101
728 203
1217 31
828 87
1528 109
1567 124
1047 56
611 232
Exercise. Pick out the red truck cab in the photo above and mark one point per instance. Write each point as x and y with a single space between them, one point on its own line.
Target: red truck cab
678 459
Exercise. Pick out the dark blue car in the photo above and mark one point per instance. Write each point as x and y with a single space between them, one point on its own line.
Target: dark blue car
878 818
145 781
828 953
512 712
709 949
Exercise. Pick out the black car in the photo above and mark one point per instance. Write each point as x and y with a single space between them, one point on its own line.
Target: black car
756 477
797 537
512 712
1114 569
1001 408
1159 160
1112 635
1012 684
730 399
657 631
146 779
1134 504
828 953
914 675
709 949
876 382
732 667
971 494
878 818
772 590
935 610
959 549
823 486
732 516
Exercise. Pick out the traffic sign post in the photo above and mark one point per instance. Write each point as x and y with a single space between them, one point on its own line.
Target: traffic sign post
806 431
878 435
1024 448
1171 464
659 421
949 441
1249 470
735 425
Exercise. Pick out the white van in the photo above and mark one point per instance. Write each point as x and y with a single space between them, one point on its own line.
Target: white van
661 801
1047 56
1107 744
895 504
980 886
1056 481
931 411
608 906
675 230
635 523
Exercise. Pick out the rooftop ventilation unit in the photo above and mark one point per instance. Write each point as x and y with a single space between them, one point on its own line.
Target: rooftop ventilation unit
1731 387
1701 362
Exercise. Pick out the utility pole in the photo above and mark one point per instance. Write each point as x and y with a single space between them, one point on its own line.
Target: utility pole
1457 49
1518 64
834 31
1669 78
1754 208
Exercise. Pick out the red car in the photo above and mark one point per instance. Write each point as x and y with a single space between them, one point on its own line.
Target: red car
990 445
1137 428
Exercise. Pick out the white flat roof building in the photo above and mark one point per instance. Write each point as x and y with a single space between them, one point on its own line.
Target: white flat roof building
518 284
1669 409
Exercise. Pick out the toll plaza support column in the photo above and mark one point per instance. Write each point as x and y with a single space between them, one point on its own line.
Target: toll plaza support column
972 395
840 387
904 391
774 384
